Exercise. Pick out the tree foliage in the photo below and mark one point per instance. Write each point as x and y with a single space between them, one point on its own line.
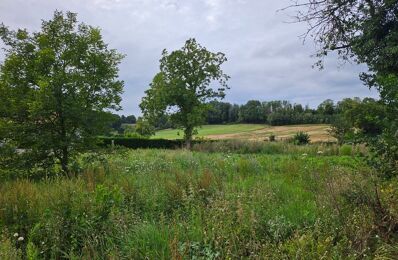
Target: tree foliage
144 128
55 88
182 88
365 31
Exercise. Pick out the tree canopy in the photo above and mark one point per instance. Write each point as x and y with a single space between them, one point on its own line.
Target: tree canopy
56 86
365 31
182 88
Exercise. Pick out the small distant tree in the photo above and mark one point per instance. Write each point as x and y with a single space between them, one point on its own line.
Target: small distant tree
182 87
55 88
130 119
144 128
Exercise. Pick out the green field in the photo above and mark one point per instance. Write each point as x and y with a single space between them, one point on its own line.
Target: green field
292 203
207 130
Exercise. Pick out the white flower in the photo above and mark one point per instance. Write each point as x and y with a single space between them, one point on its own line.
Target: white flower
20 238
16 234
320 152
304 154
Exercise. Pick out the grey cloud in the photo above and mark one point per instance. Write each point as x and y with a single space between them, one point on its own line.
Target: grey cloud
266 58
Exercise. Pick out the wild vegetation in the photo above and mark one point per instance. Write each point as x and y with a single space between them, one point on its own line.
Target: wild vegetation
161 204
63 197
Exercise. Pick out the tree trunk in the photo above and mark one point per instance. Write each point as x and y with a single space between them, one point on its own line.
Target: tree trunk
188 137
65 160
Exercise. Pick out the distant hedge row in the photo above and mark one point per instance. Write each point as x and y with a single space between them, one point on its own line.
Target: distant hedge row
135 143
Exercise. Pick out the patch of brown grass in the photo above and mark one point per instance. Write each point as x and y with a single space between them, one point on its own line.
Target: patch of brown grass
318 133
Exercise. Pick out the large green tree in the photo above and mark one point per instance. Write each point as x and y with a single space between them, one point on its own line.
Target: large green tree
365 31
56 86
183 87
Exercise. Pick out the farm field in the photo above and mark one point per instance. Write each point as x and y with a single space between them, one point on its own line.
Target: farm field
158 204
317 132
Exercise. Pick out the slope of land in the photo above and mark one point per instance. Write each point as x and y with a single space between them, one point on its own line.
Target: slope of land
317 132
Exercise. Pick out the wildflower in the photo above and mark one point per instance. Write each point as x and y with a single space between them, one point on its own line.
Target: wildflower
16 234
304 154
20 239
320 152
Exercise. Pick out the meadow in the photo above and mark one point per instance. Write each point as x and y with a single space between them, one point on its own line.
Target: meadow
294 202
254 132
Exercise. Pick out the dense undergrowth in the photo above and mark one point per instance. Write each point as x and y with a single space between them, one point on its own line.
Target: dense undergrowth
163 204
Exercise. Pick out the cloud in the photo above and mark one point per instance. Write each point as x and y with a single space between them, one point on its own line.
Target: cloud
266 58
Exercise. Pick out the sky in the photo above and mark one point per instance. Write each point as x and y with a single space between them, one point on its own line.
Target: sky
267 59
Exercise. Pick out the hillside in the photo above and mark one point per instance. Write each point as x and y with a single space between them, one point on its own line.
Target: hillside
318 132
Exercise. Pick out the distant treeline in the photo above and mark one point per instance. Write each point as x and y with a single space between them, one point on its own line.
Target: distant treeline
119 121
278 112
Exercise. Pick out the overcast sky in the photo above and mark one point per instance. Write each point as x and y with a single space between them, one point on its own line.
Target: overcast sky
266 58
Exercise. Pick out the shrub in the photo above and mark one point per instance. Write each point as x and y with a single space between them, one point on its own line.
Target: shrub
142 142
272 138
345 149
301 138
135 143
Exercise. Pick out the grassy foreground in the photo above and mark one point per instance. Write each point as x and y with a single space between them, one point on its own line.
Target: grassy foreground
317 132
157 204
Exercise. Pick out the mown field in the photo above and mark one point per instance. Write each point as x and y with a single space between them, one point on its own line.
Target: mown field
292 203
317 132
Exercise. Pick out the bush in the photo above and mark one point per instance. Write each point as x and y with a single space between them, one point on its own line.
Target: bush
272 138
301 138
142 142
345 150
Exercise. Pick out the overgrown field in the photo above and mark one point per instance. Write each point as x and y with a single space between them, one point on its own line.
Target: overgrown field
161 204
317 132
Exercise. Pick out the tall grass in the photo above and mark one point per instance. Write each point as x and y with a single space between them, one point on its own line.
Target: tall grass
261 147
158 204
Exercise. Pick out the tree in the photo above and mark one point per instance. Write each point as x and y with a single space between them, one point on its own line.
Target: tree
182 87
218 112
340 129
365 31
343 125
326 107
116 123
252 112
56 86
130 119
233 113
144 128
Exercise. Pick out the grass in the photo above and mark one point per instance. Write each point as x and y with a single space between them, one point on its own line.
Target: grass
158 204
207 130
317 132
